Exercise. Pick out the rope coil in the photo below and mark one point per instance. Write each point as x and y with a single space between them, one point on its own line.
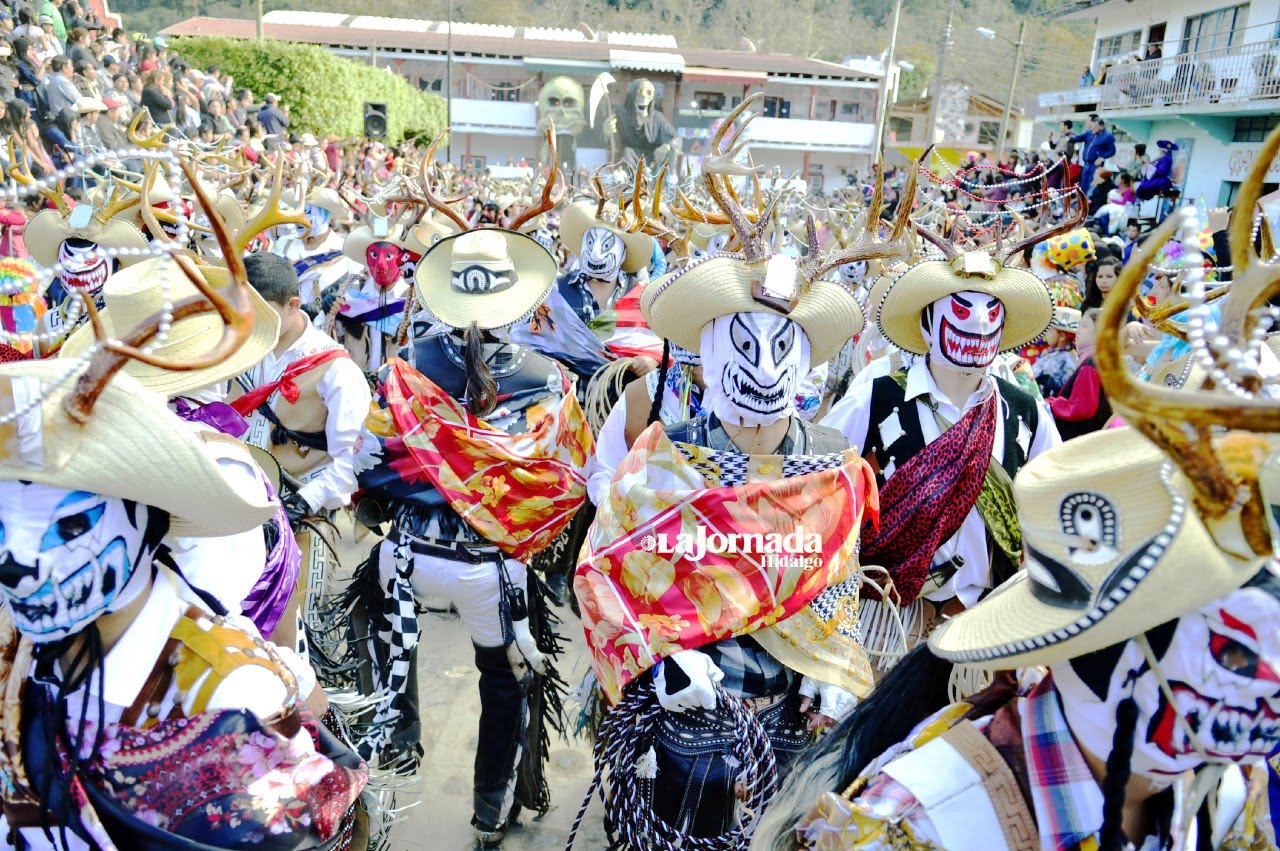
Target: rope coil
625 748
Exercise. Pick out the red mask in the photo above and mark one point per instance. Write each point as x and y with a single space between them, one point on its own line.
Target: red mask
383 260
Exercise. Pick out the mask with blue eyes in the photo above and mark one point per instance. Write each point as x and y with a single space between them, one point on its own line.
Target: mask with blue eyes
68 557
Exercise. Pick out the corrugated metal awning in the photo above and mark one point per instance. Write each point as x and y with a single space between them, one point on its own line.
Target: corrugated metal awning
646 60
565 66
726 76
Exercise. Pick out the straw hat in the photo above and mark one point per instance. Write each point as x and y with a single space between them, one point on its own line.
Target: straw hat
679 305
1028 307
1065 319
136 294
1113 547
579 218
429 230
379 230
48 229
701 233
524 274
327 198
133 447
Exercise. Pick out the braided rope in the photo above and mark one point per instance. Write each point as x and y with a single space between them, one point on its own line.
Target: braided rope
627 735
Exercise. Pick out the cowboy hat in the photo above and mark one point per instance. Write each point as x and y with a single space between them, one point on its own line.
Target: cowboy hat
48 229
578 218
488 276
379 230
327 198
680 304
429 230
132 447
700 234
134 295
1065 319
1113 546
1028 307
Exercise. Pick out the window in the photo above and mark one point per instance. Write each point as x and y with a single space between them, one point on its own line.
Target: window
708 100
1217 29
1117 45
1254 128
900 128
430 85
988 132
504 91
851 110
775 107
1230 190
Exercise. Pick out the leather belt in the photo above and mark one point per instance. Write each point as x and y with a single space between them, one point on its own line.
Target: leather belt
936 612
760 704
452 550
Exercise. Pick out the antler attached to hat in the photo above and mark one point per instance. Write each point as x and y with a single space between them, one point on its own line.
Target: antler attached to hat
1223 470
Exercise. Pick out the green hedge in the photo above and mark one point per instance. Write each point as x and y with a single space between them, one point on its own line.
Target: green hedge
325 93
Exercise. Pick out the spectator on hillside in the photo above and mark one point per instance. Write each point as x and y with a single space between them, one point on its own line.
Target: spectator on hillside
1087 78
242 110
8 72
30 70
217 116
217 86
46 40
63 135
78 47
274 120
18 123
187 116
1098 146
26 23
155 99
60 89
111 124
86 80
120 89
6 21
49 10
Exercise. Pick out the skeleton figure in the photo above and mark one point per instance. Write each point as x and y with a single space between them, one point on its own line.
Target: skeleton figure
67 557
963 331
602 254
642 131
753 363
560 103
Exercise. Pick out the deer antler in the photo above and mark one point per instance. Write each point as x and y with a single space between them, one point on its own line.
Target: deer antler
1181 422
428 185
117 202
154 141
548 200
270 215
232 306
720 165
20 171
1070 222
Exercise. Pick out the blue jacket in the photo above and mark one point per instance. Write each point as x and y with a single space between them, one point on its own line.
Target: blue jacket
1097 146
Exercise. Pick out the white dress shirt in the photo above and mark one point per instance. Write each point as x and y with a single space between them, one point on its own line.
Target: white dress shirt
346 395
852 417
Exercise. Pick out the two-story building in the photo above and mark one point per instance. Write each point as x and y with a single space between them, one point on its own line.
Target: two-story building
818 117
1201 73
967 121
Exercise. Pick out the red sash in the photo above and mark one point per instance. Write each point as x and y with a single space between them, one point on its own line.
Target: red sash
249 402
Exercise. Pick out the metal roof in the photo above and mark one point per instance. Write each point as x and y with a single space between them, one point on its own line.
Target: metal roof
484 40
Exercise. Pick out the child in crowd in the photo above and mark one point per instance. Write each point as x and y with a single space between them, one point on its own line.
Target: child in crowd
1058 360
1082 406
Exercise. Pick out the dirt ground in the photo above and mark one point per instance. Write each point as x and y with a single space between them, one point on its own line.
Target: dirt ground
441 818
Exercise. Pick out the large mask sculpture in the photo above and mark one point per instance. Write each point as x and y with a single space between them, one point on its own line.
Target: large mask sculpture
640 130
561 105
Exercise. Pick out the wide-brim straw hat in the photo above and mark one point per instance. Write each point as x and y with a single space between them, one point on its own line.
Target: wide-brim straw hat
533 271
132 447
358 241
134 295
579 218
1028 306
1065 319
700 234
431 229
327 198
48 228
1113 547
679 305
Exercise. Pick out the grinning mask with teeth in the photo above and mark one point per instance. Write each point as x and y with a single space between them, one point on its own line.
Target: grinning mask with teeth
68 557
963 331
602 254
84 268
752 364
1222 665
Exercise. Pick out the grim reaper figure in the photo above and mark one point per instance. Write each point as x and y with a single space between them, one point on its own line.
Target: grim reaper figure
639 130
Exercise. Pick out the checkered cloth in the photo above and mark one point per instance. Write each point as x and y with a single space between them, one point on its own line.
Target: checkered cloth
393 625
1066 797
748 670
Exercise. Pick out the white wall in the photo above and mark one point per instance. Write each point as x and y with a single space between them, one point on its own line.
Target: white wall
1119 17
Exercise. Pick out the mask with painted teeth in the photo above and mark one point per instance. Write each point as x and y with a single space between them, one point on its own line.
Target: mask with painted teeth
1222 665
602 254
84 268
68 557
963 331
753 363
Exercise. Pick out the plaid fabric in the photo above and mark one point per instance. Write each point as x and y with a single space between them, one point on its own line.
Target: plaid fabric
748 670
1066 798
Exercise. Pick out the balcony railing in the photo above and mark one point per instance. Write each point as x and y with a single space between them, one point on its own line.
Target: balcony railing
1243 73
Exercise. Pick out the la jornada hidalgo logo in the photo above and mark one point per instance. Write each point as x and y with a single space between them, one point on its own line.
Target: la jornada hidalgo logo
773 549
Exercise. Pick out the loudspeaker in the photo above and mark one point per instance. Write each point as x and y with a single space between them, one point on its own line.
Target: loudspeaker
375 120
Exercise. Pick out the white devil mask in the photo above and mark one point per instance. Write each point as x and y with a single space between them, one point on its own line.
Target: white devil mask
752 364
85 267
1222 666
963 331
318 219
602 254
68 557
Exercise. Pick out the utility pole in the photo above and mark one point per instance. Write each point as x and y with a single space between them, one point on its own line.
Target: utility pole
258 17
882 117
1013 83
944 44
448 89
